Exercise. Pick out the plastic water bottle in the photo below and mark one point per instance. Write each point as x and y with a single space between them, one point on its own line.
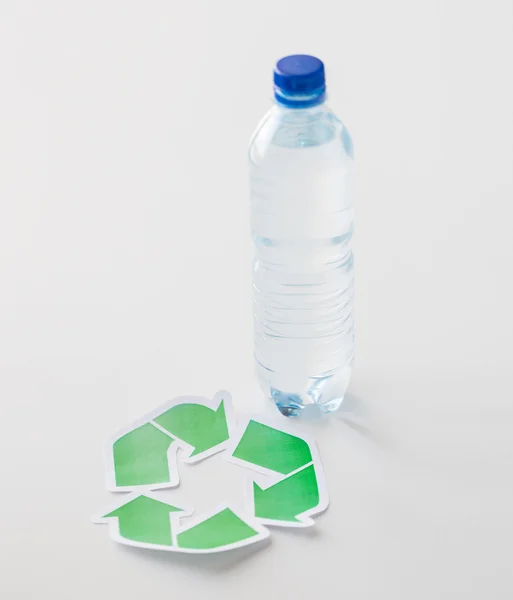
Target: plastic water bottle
301 159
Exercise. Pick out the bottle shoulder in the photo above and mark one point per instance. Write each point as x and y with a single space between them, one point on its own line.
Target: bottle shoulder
293 129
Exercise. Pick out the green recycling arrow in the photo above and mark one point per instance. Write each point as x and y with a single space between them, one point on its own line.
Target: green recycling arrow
146 522
196 425
145 454
297 493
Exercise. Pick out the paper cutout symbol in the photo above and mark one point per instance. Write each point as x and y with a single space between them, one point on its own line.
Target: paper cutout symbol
288 490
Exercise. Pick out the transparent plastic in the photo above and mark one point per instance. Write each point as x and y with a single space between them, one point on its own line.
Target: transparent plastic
302 223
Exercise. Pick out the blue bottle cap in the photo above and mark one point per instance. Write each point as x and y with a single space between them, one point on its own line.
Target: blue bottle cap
299 81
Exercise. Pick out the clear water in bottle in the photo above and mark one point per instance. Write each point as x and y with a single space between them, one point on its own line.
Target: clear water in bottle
302 222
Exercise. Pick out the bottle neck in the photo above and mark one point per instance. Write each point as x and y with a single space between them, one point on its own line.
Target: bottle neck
297 115
299 101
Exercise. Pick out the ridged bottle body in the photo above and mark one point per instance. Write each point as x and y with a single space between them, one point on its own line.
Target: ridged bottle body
301 181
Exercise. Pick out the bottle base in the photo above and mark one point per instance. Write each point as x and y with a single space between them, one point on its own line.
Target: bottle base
290 405
322 394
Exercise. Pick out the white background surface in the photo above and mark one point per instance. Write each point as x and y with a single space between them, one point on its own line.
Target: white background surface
125 280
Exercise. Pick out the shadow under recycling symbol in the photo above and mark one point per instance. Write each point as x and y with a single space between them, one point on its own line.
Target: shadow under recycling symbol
287 488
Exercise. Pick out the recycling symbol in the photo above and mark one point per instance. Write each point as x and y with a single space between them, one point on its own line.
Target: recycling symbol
286 486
